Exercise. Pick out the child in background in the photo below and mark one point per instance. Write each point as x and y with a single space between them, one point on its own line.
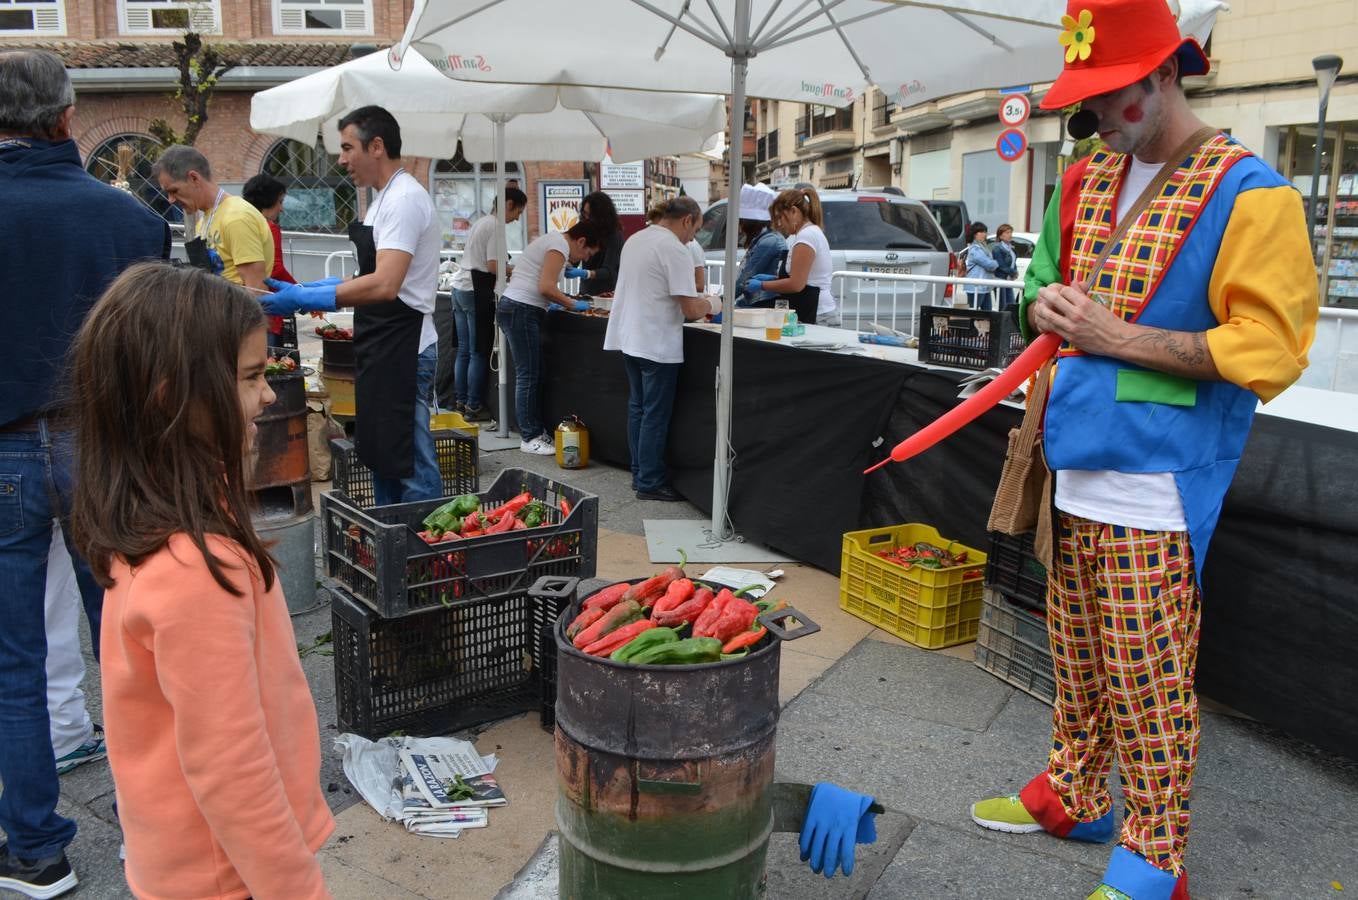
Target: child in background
211 729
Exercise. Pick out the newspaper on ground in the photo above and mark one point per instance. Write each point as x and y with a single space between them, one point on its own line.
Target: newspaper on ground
377 772
735 579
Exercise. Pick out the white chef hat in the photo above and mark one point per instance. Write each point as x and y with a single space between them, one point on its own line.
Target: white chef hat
755 200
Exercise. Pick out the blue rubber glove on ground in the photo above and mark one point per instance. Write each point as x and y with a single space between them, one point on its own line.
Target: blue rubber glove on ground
756 284
836 820
576 272
291 298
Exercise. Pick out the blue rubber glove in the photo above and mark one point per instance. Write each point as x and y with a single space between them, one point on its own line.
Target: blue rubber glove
291 298
554 307
716 320
324 282
581 305
576 272
836 820
756 284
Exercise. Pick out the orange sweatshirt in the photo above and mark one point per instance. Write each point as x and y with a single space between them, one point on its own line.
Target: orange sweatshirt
212 732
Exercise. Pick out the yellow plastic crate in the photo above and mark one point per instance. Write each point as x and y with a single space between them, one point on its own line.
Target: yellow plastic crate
443 421
929 608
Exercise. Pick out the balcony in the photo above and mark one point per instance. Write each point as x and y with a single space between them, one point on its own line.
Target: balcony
923 117
766 151
826 132
882 111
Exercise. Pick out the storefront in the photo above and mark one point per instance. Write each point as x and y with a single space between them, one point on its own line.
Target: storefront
464 191
1336 230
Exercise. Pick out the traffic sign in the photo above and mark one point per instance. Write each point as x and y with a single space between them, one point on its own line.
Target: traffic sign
1015 109
1011 144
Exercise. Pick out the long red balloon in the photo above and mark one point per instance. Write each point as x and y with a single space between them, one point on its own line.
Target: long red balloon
1043 347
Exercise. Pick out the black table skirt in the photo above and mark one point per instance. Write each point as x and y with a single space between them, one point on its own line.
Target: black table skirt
1280 619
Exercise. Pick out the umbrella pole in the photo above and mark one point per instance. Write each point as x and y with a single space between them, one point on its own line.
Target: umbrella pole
501 269
721 476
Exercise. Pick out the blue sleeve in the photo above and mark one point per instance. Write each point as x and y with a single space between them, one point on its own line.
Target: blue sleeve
761 259
982 259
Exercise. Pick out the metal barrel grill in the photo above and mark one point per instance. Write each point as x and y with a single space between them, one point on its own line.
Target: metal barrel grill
281 488
665 773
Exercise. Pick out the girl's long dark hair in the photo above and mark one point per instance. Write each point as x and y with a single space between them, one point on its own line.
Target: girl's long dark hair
160 433
602 211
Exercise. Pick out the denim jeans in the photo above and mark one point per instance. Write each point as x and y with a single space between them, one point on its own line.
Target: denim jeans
522 325
35 488
650 403
979 299
469 369
425 483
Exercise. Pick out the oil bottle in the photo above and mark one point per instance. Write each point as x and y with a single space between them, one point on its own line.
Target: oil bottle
572 444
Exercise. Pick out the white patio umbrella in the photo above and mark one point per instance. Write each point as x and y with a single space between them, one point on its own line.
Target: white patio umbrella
493 121
808 51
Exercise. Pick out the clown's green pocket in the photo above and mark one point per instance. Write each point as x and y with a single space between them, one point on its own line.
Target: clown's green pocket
1144 386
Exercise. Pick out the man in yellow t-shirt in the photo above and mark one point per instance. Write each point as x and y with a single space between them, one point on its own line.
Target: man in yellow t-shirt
230 226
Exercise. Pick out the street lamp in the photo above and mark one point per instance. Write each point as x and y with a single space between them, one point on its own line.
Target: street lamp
1327 70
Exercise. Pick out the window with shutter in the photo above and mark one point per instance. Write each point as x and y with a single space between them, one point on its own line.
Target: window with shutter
323 16
170 16
32 17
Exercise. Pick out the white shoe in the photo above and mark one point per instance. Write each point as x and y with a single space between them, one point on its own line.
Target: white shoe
538 446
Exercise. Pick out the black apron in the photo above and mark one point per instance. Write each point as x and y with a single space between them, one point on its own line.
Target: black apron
200 255
386 347
804 302
483 286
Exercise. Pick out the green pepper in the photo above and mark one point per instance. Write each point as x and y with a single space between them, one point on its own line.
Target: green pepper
644 641
688 652
466 505
534 514
449 516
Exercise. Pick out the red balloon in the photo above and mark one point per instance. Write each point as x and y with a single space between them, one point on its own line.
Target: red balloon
1043 348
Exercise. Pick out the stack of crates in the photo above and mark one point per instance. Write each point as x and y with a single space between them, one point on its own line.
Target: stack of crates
930 608
1012 641
431 639
456 452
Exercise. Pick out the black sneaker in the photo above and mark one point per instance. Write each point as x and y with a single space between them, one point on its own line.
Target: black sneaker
40 878
666 494
480 414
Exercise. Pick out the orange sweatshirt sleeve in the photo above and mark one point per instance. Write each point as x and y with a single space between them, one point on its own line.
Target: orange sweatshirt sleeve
1264 293
204 643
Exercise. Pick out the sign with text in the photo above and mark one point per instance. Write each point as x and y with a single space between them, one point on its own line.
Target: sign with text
622 177
628 203
1015 109
1011 144
559 204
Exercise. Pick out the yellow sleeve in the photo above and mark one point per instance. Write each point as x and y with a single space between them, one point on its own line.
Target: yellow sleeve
1264 293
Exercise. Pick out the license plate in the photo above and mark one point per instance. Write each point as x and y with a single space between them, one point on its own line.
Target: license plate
887 270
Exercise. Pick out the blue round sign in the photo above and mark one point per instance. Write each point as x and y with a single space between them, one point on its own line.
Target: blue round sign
1011 144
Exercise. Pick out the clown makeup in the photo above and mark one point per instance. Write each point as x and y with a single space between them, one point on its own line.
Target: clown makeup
1130 119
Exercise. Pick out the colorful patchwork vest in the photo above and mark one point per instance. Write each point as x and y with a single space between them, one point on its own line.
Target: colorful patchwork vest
1108 414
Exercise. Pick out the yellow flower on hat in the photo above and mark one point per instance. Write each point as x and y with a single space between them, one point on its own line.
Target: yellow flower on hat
1078 38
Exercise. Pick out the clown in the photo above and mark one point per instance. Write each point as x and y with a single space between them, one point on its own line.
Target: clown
1207 305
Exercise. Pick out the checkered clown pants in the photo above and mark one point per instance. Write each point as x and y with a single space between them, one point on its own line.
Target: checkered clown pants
1124 608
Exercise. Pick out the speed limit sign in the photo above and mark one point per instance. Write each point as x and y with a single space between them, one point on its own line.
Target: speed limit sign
1014 109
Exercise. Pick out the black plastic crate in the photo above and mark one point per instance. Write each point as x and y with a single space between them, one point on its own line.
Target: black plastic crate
456 452
378 557
439 671
1012 644
1013 569
969 338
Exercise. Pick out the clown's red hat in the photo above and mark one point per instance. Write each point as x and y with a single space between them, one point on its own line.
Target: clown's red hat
1110 44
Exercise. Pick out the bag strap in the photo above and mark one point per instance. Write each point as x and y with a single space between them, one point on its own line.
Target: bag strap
1151 191
1035 406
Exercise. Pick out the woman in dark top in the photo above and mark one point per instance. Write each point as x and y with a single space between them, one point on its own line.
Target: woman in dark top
600 271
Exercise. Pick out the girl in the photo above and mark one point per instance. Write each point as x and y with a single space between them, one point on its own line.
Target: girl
796 213
980 264
523 309
599 273
765 248
1006 261
211 729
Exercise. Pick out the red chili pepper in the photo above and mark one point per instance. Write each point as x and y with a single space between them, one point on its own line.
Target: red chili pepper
608 597
702 627
622 614
504 524
653 588
518 525
744 639
738 615
615 639
686 612
677 593
583 621
475 532
473 522
511 506
565 507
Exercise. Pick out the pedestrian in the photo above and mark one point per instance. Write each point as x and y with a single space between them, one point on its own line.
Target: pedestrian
599 273
212 733
395 342
76 739
265 193
522 311
232 238
656 293
473 286
765 248
1006 262
63 237
1205 306
979 263
805 283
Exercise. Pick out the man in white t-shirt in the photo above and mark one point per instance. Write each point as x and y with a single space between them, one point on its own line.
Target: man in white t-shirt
395 342
654 295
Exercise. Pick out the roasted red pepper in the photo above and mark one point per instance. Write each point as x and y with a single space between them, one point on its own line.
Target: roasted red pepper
687 611
703 626
606 598
504 524
737 616
474 522
565 507
624 613
677 593
653 588
744 639
511 506
616 638
584 620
